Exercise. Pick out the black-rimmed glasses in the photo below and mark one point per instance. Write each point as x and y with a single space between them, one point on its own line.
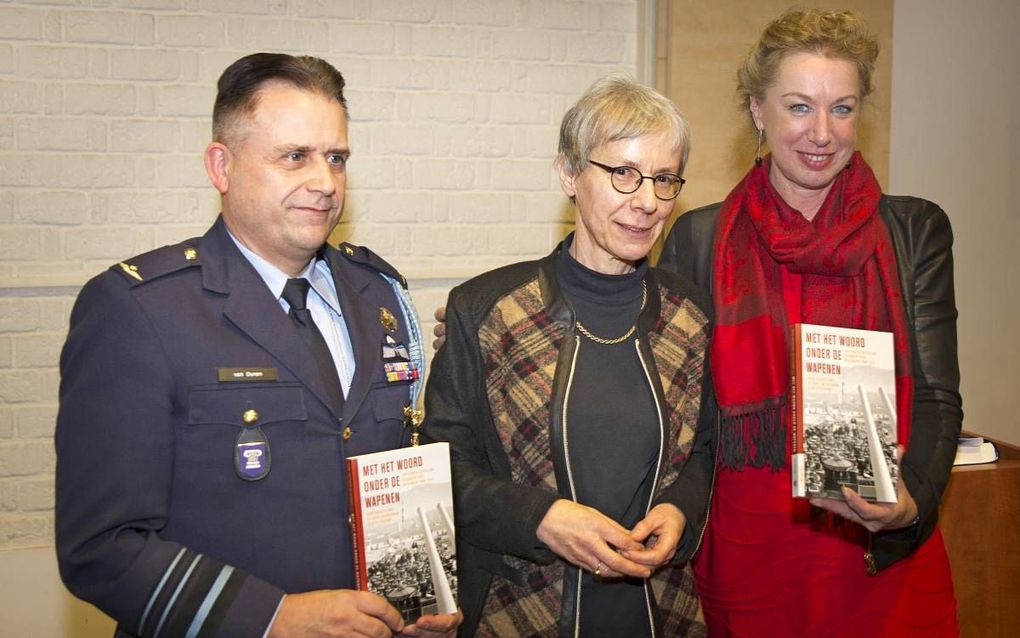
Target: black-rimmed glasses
627 179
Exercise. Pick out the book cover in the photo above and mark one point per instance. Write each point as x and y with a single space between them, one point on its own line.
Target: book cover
843 398
402 525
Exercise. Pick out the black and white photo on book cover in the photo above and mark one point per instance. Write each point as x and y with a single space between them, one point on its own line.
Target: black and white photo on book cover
402 522
843 393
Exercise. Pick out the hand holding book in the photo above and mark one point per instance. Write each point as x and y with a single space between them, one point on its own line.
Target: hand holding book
875 516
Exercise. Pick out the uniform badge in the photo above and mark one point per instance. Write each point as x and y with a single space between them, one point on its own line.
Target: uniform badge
397 361
251 450
388 321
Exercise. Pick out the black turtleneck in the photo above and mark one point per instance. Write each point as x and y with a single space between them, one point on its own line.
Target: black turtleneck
612 432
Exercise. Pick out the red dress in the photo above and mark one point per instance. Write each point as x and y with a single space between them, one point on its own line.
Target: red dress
769 567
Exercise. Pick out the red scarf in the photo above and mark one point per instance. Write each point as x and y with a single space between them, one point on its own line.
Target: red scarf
849 279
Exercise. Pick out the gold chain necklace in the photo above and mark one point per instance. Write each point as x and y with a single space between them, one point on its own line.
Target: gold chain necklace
621 339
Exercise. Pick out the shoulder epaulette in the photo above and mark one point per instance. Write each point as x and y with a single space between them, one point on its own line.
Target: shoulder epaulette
365 257
159 262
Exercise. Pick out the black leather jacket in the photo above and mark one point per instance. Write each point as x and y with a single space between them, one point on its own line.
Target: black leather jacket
922 240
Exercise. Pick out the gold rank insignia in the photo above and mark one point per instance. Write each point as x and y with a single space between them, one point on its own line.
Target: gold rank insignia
349 251
130 269
387 320
190 254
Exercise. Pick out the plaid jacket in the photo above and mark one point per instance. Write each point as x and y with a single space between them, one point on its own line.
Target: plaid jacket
497 394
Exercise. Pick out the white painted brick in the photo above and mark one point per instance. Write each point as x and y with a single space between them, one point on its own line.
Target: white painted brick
185 171
20 97
477 76
361 38
157 207
370 106
553 14
255 7
618 18
435 11
27 458
77 171
542 208
195 135
18 314
54 311
496 13
371 172
6 352
37 421
21 386
344 9
36 495
570 79
145 65
520 109
522 45
169 235
21 23
492 208
6 58
403 140
6 206
444 174
140 5
6 133
110 243
20 530
39 350
444 107
61 134
537 141
145 136
43 61
394 208
184 100
523 175
100 99
277 34
108 27
597 48
51 207
444 42
8 495
480 141
403 74
20 243
190 30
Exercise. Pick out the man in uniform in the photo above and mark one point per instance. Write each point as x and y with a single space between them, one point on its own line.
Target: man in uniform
211 391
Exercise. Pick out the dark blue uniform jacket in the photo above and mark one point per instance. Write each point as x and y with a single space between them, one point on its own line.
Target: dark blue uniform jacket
153 524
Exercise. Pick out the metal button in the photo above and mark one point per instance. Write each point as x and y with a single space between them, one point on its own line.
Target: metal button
190 254
347 433
250 416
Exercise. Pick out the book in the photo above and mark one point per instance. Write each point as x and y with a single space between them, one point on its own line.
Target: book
843 400
974 450
401 516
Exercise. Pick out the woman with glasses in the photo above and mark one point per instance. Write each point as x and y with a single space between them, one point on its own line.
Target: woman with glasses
807 236
571 391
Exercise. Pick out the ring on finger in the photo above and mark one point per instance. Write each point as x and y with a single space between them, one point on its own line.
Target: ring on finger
598 568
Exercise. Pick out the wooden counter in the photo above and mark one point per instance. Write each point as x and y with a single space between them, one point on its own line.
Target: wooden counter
980 521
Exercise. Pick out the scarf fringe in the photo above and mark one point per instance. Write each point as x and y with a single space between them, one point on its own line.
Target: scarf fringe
757 439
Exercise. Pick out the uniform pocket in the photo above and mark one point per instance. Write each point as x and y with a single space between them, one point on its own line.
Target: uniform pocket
232 405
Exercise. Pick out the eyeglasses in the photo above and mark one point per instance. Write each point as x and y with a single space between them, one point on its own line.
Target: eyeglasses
627 179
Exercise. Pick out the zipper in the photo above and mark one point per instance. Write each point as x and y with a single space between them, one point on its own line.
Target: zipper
658 467
570 474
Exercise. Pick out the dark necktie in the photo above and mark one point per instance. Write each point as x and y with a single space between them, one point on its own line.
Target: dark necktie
295 293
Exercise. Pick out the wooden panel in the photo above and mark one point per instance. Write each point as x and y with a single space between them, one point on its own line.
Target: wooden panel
980 521
705 43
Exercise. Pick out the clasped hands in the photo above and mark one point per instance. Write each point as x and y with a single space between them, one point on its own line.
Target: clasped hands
591 540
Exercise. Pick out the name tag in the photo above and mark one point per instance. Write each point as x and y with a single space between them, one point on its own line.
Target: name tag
233 375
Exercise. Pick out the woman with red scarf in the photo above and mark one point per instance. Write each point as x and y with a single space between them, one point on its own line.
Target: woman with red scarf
807 236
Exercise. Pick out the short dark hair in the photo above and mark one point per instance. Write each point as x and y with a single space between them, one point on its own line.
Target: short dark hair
237 90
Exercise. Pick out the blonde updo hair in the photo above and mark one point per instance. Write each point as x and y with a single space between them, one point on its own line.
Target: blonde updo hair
842 35
616 108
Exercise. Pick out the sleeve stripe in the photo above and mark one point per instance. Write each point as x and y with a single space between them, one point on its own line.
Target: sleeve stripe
159 587
210 599
170 603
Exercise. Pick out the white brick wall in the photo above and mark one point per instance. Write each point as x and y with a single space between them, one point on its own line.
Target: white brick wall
104 112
